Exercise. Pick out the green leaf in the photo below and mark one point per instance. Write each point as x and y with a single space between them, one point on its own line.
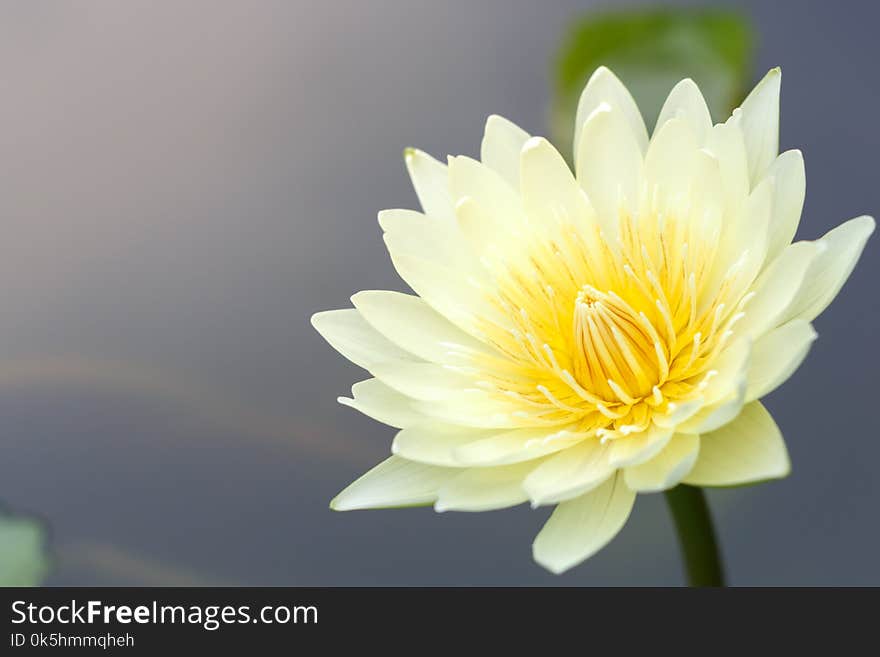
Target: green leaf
24 559
650 51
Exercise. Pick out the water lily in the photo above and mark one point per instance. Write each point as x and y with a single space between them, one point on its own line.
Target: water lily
579 337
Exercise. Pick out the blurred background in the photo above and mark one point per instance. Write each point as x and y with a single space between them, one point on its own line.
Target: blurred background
183 184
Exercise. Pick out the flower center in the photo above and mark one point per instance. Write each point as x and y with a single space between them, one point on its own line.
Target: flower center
617 355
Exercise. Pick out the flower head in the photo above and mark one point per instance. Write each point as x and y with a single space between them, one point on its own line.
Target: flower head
578 338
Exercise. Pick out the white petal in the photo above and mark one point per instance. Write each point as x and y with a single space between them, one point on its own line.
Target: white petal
725 392
638 448
413 325
725 142
470 178
776 356
776 288
484 489
679 412
411 233
434 443
503 448
424 381
841 248
742 249
551 194
671 163
747 450
481 227
605 87
758 118
685 102
502 142
431 182
457 296
666 469
569 473
350 335
376 400
609 166
581 527
791 186
395 482
474 407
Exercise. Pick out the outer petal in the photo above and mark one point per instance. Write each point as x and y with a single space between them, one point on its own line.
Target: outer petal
742 249
470 178
638 448
458 297
725 142
376 400
724 392
776 288
671 162
431 182
747 450
423 381
350 335
776 356
551 194
502 142
841 248
685 102
434 443
484 489
413 325
411 233
503 448
395 482
581 527
569 473
791 186
666 469
609 166
758 118
605 87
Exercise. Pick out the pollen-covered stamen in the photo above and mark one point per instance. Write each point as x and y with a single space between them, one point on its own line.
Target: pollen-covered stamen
614 357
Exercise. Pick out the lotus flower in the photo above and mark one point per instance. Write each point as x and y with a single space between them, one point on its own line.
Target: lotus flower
580 337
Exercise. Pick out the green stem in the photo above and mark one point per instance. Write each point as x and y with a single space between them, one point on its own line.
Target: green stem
696 536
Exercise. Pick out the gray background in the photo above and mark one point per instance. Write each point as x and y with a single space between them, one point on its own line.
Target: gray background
183 184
